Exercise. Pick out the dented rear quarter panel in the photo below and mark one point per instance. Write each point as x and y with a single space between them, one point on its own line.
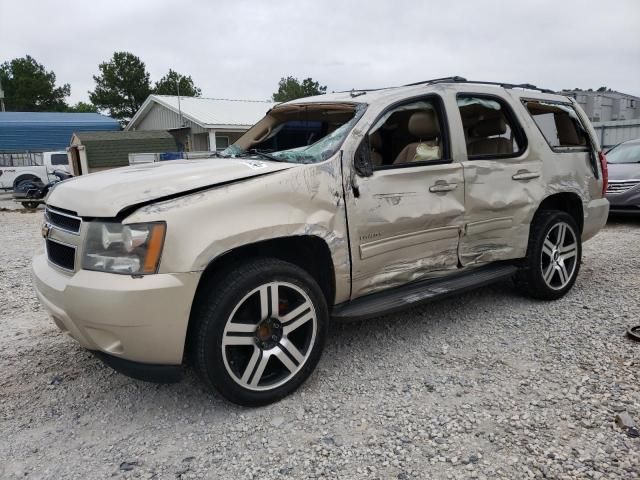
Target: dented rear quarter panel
499 209
566 171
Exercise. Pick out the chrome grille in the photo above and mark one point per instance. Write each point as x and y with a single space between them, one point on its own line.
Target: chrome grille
62 255
621 186
63 220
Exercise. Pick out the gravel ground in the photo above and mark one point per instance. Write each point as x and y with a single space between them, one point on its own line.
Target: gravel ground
489 385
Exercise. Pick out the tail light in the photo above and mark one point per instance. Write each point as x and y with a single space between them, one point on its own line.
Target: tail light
605 172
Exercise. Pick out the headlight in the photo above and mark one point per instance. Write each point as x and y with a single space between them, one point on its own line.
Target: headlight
127 249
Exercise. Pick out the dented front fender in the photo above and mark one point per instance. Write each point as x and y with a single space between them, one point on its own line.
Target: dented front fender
303 200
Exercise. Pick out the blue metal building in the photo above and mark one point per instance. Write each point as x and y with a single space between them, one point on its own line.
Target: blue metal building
47 131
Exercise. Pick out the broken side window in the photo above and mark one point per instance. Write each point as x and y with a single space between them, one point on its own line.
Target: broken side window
408 135
559 124
490 128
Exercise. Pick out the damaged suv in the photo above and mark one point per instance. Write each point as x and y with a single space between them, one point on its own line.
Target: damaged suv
341 206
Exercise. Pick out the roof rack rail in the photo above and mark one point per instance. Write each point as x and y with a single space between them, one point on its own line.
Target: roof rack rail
458 79
453 79
526 86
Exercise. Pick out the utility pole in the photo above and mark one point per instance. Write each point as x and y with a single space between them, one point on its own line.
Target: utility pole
179 109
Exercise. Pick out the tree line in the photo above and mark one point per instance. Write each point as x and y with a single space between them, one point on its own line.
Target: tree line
122 85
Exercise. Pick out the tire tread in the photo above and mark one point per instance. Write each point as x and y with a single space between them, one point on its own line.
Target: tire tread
527 279
209 307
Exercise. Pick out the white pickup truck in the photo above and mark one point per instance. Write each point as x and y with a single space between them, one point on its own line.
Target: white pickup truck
12 175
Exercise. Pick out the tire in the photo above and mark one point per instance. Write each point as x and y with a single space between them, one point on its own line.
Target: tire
30 205
253 346
553 257
21 182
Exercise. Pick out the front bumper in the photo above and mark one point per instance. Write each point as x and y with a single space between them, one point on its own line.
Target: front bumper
149 372
140 319
625 202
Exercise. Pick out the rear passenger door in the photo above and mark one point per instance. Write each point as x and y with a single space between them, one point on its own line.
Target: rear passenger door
503 180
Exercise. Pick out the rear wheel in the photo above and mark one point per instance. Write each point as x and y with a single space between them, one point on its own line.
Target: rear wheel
21 184
30 205
553 256
260 331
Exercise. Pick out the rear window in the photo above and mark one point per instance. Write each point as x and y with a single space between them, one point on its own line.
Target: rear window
559 124
59 159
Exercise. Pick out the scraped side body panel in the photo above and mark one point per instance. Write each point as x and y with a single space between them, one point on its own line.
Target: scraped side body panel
498 209
400 230
489 214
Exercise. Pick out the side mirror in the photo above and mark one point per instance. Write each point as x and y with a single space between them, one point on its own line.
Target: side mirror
362 161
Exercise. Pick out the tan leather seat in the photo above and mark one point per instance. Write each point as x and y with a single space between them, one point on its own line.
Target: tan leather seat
375 144
424 125
567 132
487 146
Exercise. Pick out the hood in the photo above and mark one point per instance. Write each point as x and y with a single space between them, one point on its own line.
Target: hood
105 194
624 171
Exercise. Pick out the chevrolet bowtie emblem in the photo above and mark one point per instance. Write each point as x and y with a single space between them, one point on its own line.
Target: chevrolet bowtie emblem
46 229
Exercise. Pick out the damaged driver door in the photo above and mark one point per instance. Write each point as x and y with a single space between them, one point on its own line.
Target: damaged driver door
406 217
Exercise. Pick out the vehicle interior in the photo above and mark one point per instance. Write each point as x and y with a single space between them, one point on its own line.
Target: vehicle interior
558 123
412 133
407 134
487 128
294 126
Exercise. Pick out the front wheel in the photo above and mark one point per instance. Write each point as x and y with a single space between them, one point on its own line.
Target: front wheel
260 330
553 256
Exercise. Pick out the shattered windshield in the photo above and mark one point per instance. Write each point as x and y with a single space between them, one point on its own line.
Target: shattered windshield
299 133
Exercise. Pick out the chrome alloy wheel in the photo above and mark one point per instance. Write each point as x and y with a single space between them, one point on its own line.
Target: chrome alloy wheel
269 336
559 256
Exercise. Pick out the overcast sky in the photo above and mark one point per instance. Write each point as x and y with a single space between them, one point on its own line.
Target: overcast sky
241 48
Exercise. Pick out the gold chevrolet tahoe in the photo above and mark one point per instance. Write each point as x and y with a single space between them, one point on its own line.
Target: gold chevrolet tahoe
341 206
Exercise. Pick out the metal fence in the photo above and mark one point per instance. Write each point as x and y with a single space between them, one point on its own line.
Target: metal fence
613 133
25 159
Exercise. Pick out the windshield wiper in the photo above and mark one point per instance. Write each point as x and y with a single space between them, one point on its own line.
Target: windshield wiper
255 151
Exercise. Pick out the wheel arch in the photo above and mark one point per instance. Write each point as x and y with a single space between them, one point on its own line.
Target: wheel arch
568 202
25 176
309 252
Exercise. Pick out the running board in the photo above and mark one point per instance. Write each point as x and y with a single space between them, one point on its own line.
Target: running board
400 298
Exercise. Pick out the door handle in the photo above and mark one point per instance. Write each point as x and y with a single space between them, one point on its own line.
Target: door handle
525 175
442 187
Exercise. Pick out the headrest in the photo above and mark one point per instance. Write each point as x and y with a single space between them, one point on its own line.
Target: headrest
375 140
424 125
490 127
